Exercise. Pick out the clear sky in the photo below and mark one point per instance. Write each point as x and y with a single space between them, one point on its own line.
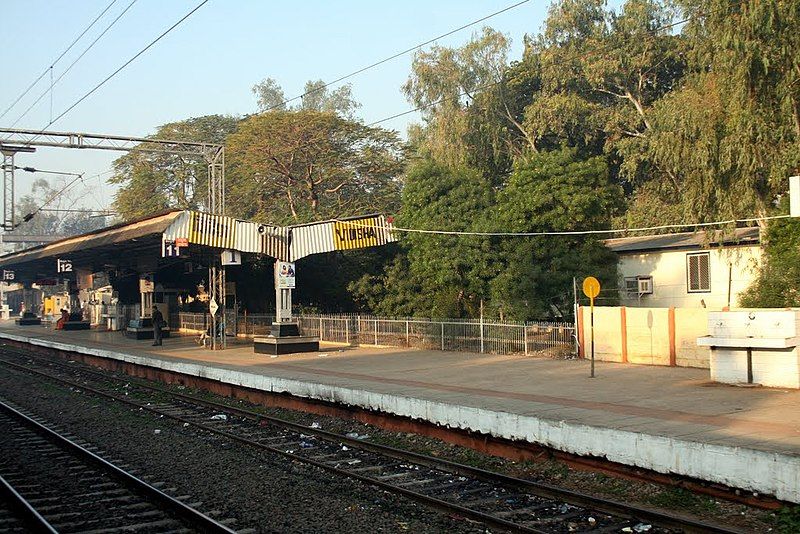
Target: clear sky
210 62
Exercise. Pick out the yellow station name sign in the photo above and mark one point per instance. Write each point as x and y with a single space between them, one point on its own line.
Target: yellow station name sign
359 233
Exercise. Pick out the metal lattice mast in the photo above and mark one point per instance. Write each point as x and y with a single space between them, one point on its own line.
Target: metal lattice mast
216 271
8 190
9 217
213 153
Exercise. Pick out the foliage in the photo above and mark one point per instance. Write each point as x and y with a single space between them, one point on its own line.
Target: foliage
788 519
600 73
316 97
52 223
778 283
523 278
728 136
298 166
152 182
438 275
461 98
550 192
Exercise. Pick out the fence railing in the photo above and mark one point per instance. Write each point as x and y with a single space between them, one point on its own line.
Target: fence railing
506 337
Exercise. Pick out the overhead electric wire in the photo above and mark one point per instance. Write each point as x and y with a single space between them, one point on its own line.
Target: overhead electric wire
481 88
579 232
32 214
128 62
58 193
42 171
395 56
54 82
26 91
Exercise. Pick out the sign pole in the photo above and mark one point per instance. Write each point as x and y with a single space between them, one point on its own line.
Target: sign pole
591 323
591 288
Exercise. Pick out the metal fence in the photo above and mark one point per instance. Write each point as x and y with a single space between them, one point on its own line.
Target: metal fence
506 337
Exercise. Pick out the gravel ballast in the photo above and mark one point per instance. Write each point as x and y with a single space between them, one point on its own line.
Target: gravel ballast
259 490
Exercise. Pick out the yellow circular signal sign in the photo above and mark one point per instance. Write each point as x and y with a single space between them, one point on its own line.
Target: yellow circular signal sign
591 287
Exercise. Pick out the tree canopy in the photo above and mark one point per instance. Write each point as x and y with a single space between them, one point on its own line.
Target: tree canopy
647 113
152 182
50 221
298 166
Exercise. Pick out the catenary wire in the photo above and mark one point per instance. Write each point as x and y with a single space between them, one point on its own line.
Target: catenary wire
121 67
649 33
64 73
26 91
60 192
577 232
395 56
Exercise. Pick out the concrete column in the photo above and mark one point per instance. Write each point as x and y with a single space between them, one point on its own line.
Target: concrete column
673 353
623 315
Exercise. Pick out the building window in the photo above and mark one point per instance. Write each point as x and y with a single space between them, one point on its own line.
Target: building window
697 273
631 284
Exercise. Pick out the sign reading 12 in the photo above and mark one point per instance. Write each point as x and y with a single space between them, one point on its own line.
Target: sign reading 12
63 266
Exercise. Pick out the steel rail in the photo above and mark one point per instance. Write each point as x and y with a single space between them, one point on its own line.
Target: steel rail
419 497
197 519
22 507
536 488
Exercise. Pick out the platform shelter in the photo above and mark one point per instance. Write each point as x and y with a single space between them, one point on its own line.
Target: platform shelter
168 258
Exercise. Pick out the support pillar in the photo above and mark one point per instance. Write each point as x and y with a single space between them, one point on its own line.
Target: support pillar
284 335
216 290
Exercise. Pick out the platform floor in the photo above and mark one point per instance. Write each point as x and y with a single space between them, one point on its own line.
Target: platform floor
667 419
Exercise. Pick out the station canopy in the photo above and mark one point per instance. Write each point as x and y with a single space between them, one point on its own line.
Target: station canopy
147 244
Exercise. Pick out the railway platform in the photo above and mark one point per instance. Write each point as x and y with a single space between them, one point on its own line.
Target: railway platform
669 420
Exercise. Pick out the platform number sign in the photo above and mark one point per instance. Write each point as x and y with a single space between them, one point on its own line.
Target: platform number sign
8 276
63 266
170 249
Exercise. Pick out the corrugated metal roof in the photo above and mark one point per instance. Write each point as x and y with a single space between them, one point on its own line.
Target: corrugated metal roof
228 233
283 243
339 234
683 240
118 233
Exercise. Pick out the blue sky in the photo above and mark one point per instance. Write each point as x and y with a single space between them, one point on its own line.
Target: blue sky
209 63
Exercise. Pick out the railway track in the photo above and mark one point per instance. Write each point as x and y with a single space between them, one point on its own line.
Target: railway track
51 483
497 500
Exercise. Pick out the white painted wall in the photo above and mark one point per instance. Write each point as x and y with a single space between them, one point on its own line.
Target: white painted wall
668 269
771 473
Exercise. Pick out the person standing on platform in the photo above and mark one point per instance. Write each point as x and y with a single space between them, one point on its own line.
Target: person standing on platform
158 324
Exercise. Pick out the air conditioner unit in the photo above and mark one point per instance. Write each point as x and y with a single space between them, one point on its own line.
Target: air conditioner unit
645 285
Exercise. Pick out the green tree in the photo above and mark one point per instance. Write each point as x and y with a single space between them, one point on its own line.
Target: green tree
435 275
316 97
299 166
778 283
152 182
466 111
729 135
52 223
601 71
551 192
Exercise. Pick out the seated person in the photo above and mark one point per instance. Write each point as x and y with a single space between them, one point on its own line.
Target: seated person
64 318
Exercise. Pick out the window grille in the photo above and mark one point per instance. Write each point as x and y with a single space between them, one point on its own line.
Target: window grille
697 270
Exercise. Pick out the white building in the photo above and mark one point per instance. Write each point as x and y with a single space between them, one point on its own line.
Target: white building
687 270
